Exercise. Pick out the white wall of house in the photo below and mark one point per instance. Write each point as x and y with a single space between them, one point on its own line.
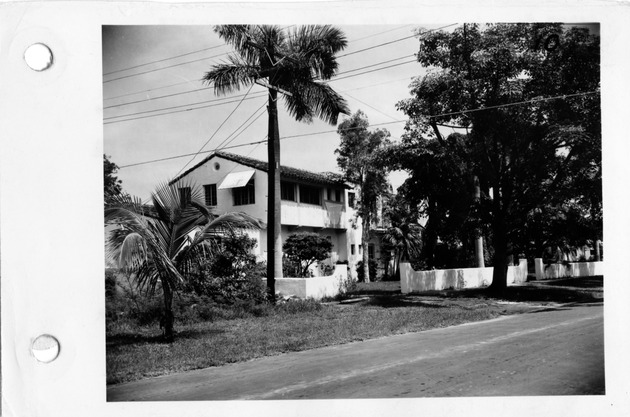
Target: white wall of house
329 218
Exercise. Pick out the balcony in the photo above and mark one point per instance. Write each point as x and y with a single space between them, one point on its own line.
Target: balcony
330 215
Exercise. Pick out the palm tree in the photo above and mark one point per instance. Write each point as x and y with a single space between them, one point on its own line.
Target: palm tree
294 62
404 234
161 244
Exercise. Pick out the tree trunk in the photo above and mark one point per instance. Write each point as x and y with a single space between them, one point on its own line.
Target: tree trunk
166 323
500 261
479 257
365 236
274 239
431 235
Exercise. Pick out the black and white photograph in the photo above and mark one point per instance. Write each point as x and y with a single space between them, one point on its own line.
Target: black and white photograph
353 211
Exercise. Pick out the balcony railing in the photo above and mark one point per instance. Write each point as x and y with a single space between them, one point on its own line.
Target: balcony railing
330 215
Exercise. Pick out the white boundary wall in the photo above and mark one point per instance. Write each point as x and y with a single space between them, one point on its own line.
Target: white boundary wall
569 270
442 279
315 287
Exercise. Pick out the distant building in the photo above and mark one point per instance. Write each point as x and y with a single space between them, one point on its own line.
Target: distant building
311 202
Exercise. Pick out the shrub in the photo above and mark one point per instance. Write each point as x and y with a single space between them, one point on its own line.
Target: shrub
231 273
304 249
373 267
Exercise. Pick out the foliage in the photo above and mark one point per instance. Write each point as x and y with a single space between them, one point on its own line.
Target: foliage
357 159
230 273
162 245
296 62
304 249
112 185
373 267
403 236
531 156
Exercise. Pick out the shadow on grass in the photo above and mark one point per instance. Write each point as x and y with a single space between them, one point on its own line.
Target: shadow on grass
531 293
588 282
124 339
383 288
394 301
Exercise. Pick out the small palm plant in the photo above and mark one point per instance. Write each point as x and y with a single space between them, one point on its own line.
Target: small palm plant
161 244
404 235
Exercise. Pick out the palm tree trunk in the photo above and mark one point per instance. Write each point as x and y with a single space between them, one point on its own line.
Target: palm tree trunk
274 239
168 318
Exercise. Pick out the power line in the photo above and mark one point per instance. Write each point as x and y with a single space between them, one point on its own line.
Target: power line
157 98
535 100
394 41
258 94
251 97
163 68
227 142
146 91
226 53
374 70
169 58
164 59
179 111
217 129
208 88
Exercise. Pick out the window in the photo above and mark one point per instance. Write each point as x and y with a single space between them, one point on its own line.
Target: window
287 191
352 249
211 194
330 191
310 195
351 200
337 195
184 196
360 249
244 195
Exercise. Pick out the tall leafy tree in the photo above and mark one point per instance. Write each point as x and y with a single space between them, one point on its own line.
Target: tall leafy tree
529 94
163 243
439 188
357 159
295 62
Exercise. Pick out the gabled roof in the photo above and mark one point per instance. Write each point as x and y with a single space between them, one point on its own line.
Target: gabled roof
286 173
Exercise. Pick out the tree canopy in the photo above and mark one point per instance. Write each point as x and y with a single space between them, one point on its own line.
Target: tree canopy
529 96
113 186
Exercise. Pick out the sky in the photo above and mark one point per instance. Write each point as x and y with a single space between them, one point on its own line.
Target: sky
156 107
375 71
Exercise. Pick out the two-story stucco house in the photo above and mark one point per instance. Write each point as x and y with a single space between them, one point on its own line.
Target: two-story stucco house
311 202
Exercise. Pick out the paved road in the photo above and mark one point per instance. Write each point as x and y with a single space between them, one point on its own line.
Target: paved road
558 352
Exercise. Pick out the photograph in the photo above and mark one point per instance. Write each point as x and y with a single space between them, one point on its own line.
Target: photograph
354 211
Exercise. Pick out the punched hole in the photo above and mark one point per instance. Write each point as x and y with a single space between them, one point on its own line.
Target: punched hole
45 348
38 57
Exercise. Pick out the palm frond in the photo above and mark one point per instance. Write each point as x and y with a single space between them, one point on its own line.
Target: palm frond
315 47
232 76
315 99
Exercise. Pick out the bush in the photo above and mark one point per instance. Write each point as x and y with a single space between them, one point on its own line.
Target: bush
373 267
231 274
303 250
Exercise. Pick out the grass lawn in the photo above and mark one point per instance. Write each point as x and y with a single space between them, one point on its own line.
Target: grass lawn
135 352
